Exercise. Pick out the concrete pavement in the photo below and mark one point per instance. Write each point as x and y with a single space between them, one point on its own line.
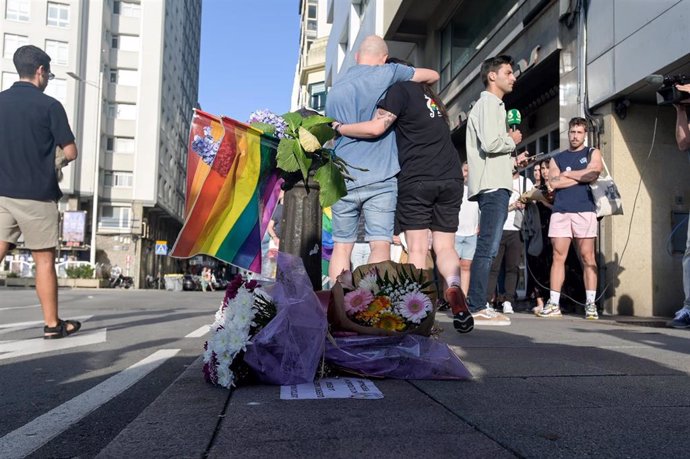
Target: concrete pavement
542 388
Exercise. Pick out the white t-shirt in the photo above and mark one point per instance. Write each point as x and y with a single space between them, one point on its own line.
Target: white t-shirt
468 216
520 185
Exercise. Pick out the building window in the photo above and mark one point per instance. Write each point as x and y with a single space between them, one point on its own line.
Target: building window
58 15
118 179
11 42
467 33
58 51
122 111
17 10
120 145
57 89
317 96
115 217
311 12
8 79
127 9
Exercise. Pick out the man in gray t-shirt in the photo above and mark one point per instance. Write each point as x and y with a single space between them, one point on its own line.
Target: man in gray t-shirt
373 191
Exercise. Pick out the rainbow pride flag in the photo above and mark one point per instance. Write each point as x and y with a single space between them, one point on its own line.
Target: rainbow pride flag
232 189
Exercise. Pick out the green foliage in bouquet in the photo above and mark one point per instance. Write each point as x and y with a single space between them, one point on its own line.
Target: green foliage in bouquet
302 150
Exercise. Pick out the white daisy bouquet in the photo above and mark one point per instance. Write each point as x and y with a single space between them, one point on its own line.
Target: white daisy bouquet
387 298
245 310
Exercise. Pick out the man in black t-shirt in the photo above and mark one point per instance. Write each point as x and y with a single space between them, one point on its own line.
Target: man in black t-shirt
430 183
32 125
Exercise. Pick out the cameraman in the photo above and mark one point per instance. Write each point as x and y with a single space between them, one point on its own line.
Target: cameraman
682 318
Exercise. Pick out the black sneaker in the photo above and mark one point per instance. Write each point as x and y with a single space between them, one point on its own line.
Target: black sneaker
463 322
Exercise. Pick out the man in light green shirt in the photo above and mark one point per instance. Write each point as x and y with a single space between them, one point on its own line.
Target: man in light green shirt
489 147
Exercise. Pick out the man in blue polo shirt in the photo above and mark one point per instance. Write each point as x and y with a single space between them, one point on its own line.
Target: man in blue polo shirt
373 191
32 125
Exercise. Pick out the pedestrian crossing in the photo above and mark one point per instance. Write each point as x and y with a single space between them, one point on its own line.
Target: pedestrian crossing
28 438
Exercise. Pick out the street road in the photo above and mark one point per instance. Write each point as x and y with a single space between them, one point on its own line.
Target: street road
70 397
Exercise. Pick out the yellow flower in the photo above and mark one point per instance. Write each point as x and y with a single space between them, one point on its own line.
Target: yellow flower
380 303
390 321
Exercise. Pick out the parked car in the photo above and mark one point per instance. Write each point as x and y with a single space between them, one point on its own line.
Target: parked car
191 283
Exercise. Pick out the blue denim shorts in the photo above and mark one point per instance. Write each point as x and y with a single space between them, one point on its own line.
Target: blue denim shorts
465 246
376 202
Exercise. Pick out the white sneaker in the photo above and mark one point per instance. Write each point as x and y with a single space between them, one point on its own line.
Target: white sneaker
489 316
591 311
507 308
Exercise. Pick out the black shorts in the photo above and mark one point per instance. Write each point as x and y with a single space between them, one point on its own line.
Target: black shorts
433 205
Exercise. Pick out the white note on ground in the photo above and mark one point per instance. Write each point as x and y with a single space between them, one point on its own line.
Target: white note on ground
358 388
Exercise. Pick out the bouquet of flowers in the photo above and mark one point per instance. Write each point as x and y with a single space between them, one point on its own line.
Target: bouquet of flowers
302 151
384 299
245 310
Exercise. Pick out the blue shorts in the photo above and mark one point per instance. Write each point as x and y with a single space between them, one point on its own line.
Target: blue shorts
376 202
465 246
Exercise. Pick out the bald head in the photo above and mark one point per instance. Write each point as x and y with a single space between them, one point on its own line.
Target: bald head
372 51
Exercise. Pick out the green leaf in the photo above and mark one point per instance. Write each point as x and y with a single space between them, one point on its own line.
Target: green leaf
308 141
265 127
323 132
286 157
332 184
302 159
316 120
294 120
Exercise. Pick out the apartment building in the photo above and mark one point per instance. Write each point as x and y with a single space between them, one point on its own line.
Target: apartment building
309 89
572 59
127 72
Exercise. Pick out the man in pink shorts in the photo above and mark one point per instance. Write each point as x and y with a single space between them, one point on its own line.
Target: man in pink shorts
573 217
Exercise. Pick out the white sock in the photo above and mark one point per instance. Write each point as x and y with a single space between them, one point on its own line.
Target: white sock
591 295
555 297
453 281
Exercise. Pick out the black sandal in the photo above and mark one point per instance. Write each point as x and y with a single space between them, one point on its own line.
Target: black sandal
61 330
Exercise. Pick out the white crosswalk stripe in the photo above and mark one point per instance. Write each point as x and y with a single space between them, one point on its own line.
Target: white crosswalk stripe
28 438
199 332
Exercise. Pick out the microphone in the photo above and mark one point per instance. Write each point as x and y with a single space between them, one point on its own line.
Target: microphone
514 118
654 79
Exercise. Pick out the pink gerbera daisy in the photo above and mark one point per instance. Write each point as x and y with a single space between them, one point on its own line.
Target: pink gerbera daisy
414 306
357 301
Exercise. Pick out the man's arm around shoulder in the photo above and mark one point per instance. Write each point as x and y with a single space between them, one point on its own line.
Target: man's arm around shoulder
427 76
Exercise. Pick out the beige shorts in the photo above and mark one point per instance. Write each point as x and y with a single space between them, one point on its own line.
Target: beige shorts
578 225
36 220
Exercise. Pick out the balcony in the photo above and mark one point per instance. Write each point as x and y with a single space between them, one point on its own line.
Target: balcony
124 59
122 93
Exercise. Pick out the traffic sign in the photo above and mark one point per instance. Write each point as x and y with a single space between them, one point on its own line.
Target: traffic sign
161 247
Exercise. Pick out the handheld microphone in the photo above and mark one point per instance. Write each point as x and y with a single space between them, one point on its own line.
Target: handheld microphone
514 118
654 79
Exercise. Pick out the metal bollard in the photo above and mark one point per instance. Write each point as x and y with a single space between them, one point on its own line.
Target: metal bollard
301 227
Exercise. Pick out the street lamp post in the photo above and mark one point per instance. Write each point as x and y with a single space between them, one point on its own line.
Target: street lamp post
97 162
